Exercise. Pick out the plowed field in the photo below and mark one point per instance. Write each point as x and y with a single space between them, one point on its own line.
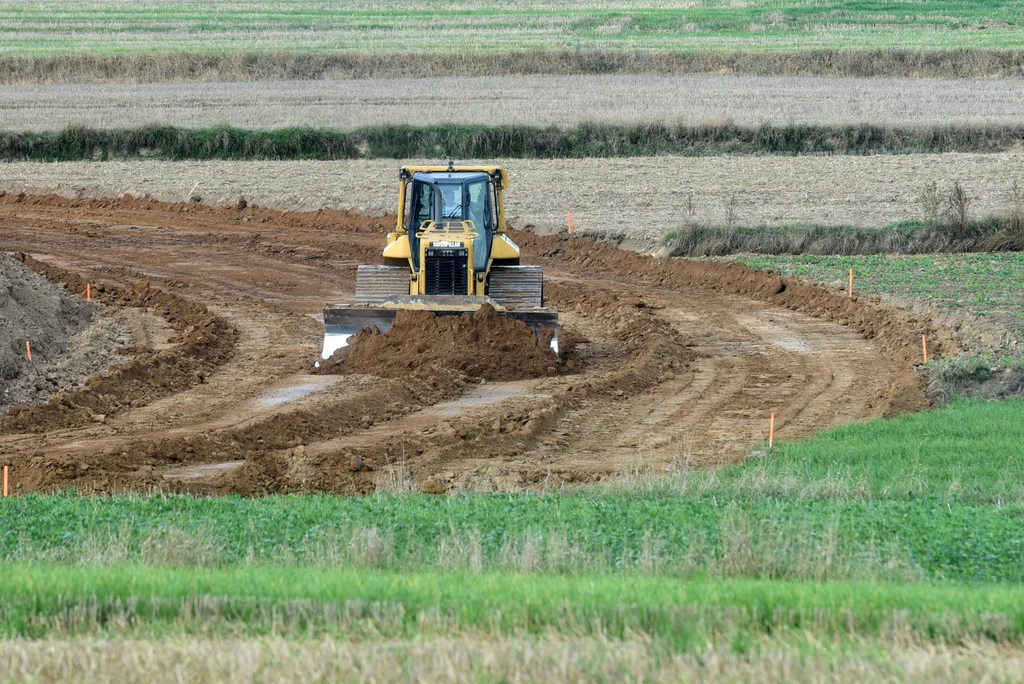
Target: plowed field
675 363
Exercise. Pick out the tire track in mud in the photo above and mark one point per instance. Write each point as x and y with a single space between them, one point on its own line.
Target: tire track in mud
682 362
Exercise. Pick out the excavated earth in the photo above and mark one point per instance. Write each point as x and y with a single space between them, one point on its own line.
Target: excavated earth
483 344
674 363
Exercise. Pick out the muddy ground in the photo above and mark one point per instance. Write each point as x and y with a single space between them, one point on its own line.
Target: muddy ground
680 363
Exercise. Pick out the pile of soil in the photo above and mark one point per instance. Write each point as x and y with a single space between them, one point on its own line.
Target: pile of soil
47 316
484 344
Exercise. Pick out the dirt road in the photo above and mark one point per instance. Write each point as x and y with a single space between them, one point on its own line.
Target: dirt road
679 364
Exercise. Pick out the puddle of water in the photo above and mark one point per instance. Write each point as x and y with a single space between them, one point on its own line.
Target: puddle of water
482 396
780 337
282 395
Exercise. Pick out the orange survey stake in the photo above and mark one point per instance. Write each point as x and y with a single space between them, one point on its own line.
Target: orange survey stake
28 349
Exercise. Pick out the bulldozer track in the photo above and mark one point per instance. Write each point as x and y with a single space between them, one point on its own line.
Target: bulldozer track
374 284
262 423
517 286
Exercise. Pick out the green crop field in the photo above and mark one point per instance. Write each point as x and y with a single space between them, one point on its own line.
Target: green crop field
255 601
426 25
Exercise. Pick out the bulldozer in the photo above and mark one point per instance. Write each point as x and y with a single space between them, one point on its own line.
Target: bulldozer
449 254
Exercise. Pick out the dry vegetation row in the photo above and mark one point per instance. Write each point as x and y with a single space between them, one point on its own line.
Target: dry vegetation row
276 65
640 198
693 99
483 657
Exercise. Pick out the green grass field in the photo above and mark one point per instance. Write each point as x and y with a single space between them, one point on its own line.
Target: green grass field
427 25
987 286
262 601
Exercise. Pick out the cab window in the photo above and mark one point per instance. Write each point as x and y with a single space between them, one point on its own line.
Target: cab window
419 212
478 211
420 209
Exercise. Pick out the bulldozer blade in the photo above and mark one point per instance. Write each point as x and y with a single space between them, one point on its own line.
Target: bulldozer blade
538 320
343 321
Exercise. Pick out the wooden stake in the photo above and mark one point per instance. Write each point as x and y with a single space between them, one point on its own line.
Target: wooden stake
771 432
851 283
570 222
88 292
6 468
28 349
924 347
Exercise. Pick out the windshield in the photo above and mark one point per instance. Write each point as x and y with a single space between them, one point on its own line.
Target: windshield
451 201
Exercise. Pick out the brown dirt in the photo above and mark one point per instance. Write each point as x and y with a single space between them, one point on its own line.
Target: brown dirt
483 344
204 342
680 363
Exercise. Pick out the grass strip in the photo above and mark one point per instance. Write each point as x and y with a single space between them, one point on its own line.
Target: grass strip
994 234
482 142
478 658
40 600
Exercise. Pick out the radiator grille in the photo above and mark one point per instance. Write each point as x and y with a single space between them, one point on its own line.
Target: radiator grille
447 271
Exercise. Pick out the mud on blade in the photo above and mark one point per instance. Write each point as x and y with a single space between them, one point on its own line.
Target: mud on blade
343 321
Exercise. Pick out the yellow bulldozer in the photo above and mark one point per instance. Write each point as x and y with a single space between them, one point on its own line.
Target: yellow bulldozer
448 254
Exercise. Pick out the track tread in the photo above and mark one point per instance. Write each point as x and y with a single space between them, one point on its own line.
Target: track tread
517 286
374 284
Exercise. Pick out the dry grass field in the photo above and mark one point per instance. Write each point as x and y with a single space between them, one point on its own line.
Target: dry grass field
641 197
535 100
482 659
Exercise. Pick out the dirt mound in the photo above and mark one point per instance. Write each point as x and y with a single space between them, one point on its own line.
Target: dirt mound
33 310
484 344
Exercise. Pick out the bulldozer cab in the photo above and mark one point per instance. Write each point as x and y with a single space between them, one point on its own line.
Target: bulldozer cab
452 196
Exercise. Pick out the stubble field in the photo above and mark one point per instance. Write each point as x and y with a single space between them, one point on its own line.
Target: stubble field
639 199
564 101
